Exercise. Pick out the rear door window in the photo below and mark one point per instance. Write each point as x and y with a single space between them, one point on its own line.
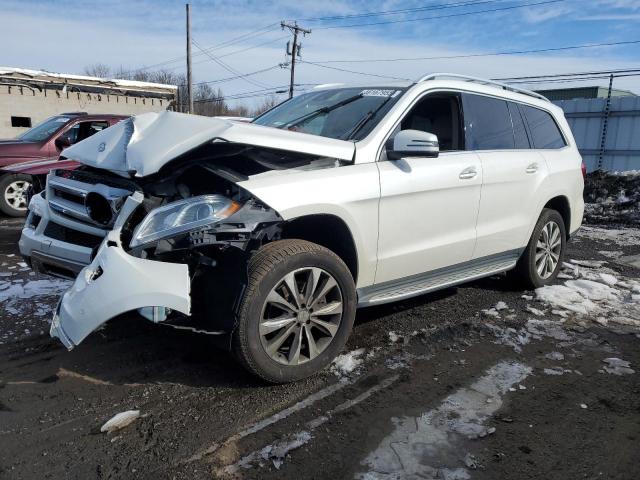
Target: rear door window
487 123
545 133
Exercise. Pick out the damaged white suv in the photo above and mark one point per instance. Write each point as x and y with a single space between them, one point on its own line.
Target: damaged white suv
269 235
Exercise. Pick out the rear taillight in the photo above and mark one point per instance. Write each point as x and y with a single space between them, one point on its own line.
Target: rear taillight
583 167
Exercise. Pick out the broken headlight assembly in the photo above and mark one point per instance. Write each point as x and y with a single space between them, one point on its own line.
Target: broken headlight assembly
182 216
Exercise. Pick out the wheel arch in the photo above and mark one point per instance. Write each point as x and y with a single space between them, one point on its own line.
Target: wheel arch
560 204
327 230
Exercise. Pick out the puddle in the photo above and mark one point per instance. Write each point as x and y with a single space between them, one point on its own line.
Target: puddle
428 446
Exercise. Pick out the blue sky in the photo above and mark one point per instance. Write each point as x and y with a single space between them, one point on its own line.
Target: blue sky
67 35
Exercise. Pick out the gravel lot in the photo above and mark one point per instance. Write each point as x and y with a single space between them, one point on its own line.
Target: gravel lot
483 381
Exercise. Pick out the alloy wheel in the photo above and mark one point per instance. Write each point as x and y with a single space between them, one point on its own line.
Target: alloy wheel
15 194
301 316
548 249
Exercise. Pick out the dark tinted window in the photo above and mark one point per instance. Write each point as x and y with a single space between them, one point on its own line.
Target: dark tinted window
487 123
544 131
519 130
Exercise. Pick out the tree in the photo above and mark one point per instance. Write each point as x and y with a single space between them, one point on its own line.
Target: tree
208 101
267 104
99 70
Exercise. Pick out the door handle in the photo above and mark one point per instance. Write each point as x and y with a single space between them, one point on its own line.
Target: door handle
532 168
468 173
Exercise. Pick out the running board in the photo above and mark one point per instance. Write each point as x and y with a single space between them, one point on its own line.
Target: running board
437 279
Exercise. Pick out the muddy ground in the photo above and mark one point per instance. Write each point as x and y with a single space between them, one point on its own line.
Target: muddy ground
456 391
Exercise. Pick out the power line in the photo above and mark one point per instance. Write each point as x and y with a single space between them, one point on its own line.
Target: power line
450 15
222 80
490 54
232 41
353 71
573 74
402 11
229 68
571 80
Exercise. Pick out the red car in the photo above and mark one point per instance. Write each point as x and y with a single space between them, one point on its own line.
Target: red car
42 143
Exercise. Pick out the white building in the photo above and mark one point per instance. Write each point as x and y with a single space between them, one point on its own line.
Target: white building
28 97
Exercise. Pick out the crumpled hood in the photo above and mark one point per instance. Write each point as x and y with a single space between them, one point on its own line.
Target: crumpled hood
145 143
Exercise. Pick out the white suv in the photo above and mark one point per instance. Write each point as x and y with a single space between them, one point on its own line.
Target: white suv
269 235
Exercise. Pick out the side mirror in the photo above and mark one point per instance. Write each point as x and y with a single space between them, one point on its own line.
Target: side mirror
63 141
412 143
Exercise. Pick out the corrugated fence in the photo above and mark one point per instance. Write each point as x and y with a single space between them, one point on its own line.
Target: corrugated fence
619 148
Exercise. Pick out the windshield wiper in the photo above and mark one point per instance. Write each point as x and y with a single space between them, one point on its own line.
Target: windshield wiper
364 120
315 113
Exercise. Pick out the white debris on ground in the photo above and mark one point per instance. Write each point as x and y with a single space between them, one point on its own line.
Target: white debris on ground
616 366
424 446
120 421
594 291
394 337
347 363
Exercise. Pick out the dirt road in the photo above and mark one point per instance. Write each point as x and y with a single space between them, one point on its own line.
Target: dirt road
483 381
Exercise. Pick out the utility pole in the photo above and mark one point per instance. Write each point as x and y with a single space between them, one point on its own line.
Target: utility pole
295 48
189 79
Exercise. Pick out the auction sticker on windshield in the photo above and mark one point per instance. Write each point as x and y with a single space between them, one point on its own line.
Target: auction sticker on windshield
379 93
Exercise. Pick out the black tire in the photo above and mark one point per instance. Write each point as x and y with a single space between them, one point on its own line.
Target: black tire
6 182
267 267
526 270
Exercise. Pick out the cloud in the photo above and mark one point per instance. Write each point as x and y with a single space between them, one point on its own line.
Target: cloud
146 32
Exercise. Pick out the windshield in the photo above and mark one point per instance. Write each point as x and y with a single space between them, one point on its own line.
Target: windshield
342 113
44 130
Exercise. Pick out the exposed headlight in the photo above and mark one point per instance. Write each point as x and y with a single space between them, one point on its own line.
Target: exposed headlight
182 216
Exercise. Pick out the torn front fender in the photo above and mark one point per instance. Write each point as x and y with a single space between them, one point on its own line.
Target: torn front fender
116 282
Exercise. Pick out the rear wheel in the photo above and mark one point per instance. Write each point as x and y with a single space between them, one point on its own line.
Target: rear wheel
297 311
13 194
541 261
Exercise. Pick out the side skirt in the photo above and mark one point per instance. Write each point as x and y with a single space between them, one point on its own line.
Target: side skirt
437 279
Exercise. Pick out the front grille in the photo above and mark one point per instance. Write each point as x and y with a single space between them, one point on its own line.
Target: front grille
65 234
69 194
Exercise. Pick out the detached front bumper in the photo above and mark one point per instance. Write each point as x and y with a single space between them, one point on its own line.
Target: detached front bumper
116 282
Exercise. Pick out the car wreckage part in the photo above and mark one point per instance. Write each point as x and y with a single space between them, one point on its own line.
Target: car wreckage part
294 279
132 283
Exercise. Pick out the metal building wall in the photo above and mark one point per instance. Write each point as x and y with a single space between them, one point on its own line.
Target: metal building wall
622 143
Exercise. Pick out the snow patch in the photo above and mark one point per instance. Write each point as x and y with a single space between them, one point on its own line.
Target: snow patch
427 445
616 366
347 362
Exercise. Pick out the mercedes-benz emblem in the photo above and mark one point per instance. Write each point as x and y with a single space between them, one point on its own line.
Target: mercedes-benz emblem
101 147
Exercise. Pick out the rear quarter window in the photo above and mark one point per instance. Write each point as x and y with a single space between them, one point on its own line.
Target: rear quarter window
545 133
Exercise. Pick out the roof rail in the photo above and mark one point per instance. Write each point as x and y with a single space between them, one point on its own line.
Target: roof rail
483 81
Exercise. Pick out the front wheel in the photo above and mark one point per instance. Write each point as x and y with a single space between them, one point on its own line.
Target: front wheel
541 261
13 194
297 311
